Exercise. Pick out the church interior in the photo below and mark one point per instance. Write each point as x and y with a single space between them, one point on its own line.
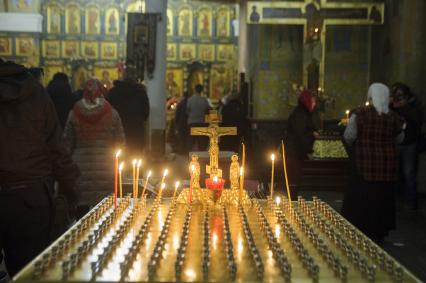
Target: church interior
231 198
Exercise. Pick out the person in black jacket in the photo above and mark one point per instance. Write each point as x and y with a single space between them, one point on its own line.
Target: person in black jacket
301 133
60 92
409 108
31 151
181 124
232 113
131 101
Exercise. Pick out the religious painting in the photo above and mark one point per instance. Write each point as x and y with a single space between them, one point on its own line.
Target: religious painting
195 77
23 6
225 52
5 46
220 81
170 22
187 51
51 49
185 22
206 52
90 49
93 20
70 49
54 12
136 6
112 21
50 71
171 51
109 50
174 82
204 22
106 76
375 14
79 77
25 46
223 22
72 19
253 14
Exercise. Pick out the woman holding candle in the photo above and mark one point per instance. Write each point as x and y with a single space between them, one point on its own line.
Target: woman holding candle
301 133
93 130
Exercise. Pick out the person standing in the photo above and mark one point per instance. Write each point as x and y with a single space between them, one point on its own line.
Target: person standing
181 119
409 108
196 108
232 113
59 90
373 132
131 101
93 132
301 133
32 151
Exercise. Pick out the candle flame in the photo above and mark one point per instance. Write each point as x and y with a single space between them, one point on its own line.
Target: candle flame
367 103
278 200
347 112
215 179
118 153
149 173
166 172
134 162
139 162
272 157
163 185
177 184
316 29
121 166
241 171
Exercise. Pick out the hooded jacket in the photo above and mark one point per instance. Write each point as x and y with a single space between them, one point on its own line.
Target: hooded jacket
31 144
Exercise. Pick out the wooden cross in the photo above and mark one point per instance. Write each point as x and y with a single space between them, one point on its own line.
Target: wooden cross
214 132
315 16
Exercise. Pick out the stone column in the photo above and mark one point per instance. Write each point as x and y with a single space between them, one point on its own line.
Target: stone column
242 38
156 86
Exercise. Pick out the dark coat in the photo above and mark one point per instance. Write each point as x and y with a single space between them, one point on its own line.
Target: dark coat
131 102
233 116
300 133
412 114
31 144
93 136
62 97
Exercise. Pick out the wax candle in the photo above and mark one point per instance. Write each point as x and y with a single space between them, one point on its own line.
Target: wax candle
138 166
166 172
117 155
163 185
272 174
190 184
146 183
134 162
347 114
241 184
120 179
176 187
285 172
367 103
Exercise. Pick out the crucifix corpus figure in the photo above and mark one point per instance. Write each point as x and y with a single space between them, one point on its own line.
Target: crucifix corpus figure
214 132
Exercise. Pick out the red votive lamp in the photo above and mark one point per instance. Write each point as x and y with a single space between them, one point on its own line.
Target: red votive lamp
216 185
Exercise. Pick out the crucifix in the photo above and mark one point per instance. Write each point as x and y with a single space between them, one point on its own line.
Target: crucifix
315 16
214 132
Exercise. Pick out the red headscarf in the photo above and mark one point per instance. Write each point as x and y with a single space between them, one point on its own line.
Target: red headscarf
93 89
307 100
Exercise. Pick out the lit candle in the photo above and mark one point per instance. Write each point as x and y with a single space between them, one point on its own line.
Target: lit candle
138 166
120 179
278 200
116 177
176 187
163 185
347 114
215 179
134 162
272 175
190 184
285 172
166 172
146 183
367 103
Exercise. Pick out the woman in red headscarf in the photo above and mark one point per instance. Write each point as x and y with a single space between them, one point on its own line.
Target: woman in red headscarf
93 131
301 133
